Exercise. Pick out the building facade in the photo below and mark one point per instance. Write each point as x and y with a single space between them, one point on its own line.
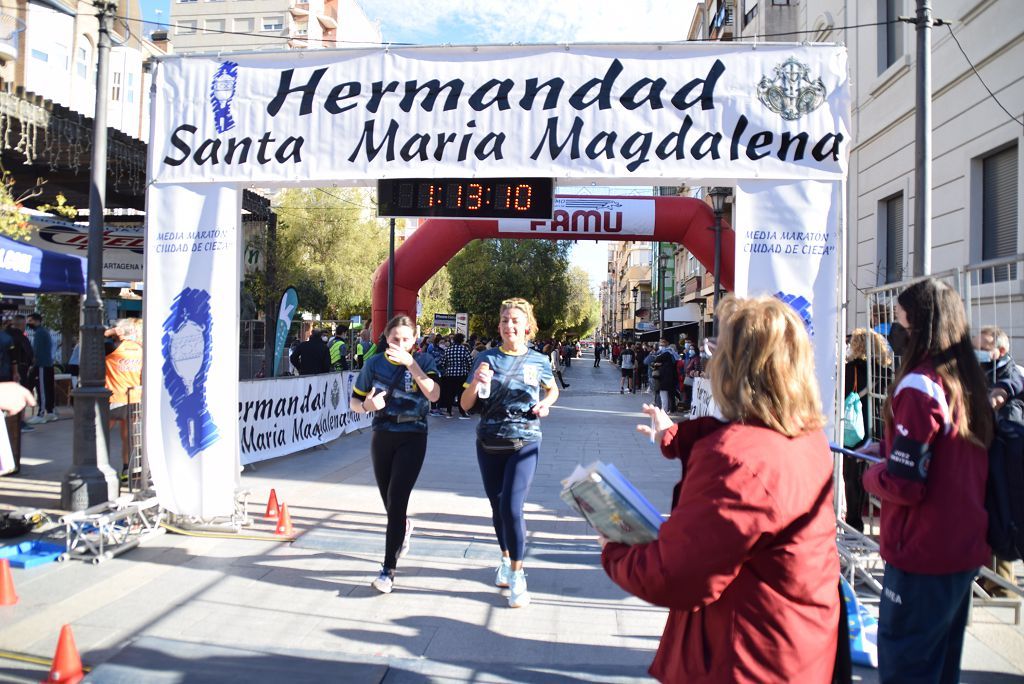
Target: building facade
54 57
976 142
217 26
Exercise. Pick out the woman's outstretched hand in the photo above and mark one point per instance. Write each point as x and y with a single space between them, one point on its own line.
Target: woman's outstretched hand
660 422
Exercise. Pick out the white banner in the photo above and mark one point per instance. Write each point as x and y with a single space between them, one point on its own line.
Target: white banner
703 403
787 239
620 113
284 415
122 245
577 215
191 346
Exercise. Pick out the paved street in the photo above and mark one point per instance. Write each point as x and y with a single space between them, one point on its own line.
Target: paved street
217 609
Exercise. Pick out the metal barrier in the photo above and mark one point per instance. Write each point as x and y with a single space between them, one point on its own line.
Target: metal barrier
138 466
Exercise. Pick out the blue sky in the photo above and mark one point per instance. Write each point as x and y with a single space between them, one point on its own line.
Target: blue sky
435 22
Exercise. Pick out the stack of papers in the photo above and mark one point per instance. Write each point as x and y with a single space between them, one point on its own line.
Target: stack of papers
611 504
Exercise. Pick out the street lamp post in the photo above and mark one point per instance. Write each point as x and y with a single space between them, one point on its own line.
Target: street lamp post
718 196
90 480
662 265
636 293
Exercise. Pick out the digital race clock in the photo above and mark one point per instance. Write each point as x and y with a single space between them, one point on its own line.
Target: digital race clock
484 198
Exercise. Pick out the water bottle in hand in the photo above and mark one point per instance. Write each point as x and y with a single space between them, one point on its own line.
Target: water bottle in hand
483 390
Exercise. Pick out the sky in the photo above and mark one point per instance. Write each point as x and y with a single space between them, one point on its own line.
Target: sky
458 22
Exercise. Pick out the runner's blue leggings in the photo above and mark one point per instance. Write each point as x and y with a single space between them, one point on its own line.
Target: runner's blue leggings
507 479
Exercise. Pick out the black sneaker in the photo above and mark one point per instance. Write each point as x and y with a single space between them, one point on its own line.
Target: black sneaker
124 474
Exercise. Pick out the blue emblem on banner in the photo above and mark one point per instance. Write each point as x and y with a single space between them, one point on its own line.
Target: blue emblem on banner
802 307
222 91
186 351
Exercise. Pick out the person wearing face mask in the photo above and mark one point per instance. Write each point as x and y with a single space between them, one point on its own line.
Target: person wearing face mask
664 375
42 350
938 427
398 386
690 370
992 347
312 356
1006 395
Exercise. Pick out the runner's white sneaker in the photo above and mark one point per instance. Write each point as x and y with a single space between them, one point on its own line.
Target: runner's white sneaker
518 596
504 573
405 542
385 581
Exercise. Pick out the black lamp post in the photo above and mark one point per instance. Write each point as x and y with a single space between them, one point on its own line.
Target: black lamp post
90 480
662 264
718 196
636 294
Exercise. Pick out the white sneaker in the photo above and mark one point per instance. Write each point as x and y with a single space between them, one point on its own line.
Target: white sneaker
37 420
503 575
405 542
385 581
518 596
50 417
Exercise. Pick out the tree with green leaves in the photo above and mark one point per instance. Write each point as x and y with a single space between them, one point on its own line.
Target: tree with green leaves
582 312
486 272
435 297
329 243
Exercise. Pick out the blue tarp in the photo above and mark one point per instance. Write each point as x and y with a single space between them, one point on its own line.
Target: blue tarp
24 268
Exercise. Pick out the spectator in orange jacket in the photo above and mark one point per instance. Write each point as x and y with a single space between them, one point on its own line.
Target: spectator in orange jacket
747 562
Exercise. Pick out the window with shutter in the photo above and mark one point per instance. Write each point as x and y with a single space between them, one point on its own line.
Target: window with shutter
999 211
894 239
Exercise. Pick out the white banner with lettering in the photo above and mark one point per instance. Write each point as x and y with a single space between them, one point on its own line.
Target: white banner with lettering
624 113
191 346
284 415
787 241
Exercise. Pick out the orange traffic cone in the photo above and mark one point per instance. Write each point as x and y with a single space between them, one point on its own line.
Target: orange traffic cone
8 597
67 665
272 507
284 522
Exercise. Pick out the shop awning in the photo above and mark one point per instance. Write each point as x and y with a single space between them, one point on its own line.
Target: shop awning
24 268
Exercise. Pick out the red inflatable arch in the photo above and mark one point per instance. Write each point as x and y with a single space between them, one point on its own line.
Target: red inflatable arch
684 220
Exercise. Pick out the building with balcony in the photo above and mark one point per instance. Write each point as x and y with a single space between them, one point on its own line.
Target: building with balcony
977 98
217 26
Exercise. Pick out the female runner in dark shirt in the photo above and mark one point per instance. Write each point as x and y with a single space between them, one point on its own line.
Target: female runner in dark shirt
399 387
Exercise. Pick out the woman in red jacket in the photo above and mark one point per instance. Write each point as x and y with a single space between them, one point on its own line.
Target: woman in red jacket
938 424
747 561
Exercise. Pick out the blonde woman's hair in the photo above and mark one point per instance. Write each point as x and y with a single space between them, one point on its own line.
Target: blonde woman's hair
526 308
129 329
763 367
880 353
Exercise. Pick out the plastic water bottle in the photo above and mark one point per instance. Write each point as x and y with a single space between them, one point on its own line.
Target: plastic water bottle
483 390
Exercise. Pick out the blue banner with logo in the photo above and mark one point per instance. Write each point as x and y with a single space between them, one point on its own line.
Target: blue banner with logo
24 268
285 314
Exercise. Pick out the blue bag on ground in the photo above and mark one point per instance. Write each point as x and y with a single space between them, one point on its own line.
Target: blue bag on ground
863 629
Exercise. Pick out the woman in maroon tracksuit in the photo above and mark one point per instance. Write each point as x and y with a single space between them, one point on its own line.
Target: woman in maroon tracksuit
747 562
938 425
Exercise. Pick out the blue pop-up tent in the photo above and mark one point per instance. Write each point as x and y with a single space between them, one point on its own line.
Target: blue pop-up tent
24 268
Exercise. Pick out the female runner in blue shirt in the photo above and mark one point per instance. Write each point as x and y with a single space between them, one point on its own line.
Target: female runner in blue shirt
399 387
508 435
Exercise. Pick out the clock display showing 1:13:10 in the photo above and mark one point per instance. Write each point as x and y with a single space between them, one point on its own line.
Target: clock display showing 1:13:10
468 196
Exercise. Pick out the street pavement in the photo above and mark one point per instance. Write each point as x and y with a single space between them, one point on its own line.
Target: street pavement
193 609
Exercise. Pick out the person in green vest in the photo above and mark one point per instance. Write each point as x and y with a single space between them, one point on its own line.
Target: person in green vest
338 350
365 348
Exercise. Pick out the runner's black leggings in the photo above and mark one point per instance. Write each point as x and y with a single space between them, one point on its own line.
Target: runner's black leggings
507 479
397 460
